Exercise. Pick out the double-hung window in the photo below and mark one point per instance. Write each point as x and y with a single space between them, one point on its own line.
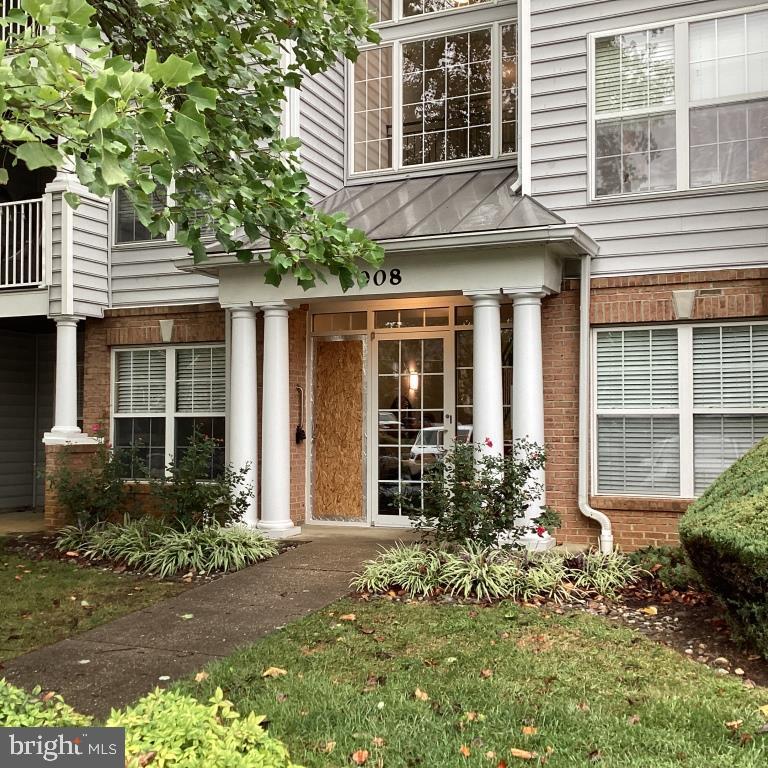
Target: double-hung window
681 106
162 397
675 406
441 87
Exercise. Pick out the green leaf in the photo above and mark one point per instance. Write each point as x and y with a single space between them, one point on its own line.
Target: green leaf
190 122
3 176
174 71
17 132
111 171
73 200
204 97
103 116
38 155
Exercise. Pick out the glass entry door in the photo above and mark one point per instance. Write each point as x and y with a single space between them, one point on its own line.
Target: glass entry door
414 397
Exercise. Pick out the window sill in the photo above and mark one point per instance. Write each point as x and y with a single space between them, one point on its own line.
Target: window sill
640 504
675 194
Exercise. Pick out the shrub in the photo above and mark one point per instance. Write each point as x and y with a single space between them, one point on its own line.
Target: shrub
493 573
195 491
169 729
725 536
35 710
91 494
154 547
669 565
472 496
164 728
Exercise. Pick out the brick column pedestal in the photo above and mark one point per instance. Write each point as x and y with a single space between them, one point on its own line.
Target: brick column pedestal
77 456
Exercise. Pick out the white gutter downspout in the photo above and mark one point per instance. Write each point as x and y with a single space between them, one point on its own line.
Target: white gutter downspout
606 532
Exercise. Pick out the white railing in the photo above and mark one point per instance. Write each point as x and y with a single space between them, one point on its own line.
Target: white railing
21 244
13 29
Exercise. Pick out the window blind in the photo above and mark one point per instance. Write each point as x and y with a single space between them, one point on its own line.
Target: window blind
638 454
129 228
635 72
637 369
140 381
720 440
730 367
201 380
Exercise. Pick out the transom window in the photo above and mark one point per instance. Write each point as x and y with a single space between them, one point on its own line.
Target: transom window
161 397
435 98
645 100
677 406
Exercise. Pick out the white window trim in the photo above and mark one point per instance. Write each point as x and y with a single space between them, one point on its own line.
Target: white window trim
681 108
486 15
685 411
170 414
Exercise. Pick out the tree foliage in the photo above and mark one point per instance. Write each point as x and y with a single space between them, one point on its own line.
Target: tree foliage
144 94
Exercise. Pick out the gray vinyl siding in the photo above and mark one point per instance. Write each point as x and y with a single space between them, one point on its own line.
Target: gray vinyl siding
21 429
321 129
46 375
90 257
700 230
57 235
146 276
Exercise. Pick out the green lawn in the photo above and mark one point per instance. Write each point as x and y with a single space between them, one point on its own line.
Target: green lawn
596 693
43 601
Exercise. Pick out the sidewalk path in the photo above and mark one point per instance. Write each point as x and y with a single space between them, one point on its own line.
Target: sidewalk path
116 663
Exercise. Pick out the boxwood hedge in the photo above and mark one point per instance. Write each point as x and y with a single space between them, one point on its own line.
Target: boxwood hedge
725 535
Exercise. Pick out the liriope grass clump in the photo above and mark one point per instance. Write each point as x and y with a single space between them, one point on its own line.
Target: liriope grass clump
474 571
153 547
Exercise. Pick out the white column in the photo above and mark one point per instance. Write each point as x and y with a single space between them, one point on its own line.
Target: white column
243 403
528 394
276 427
487 398
65 427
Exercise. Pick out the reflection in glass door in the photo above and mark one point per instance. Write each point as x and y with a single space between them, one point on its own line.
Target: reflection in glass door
412 406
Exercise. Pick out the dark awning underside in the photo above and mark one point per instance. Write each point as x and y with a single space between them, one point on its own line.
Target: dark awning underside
453 203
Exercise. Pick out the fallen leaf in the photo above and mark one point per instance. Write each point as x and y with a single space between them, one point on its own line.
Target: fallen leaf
187 616
274 672
200 676
329 747
745 738
85 604
421 695
146 759
529 730
501 764
164 677
348 617
84 661
734 725
281 698
491 755
71 553
48 696
595 756
377 741
633 720
763 710
17 577
464 750
522 754
582 706
486 673
451 660
360 757
650 610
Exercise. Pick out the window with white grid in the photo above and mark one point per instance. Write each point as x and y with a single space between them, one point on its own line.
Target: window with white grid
704 79
436 90
162 398
676 406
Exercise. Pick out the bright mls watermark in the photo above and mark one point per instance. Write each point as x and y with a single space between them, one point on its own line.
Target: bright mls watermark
62 747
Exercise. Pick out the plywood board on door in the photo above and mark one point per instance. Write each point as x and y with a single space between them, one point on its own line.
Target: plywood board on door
338 430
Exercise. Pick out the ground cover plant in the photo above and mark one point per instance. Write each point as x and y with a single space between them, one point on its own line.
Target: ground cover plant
44 601
479 572
669 566
725 536
400 685
154 547
164 728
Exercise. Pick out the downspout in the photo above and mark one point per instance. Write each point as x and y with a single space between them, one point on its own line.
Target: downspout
606 532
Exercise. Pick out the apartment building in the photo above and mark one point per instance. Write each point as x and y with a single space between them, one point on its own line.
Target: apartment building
572 198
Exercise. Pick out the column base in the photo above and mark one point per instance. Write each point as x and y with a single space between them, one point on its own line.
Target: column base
279 530
64 436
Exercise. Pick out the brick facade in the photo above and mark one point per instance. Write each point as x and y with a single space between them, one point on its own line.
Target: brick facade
76 457
721 295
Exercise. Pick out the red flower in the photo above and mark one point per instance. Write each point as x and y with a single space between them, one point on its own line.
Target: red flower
541 530
488 442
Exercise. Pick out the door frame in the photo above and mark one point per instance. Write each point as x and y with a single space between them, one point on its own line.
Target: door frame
365 520
448 337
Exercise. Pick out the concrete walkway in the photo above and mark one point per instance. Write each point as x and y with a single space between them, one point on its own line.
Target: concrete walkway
114 664
21 522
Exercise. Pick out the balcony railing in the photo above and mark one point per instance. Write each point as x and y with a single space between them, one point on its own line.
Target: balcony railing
21 244
8 30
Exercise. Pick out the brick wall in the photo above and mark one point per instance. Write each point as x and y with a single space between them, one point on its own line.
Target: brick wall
77 457
202 324
721 295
